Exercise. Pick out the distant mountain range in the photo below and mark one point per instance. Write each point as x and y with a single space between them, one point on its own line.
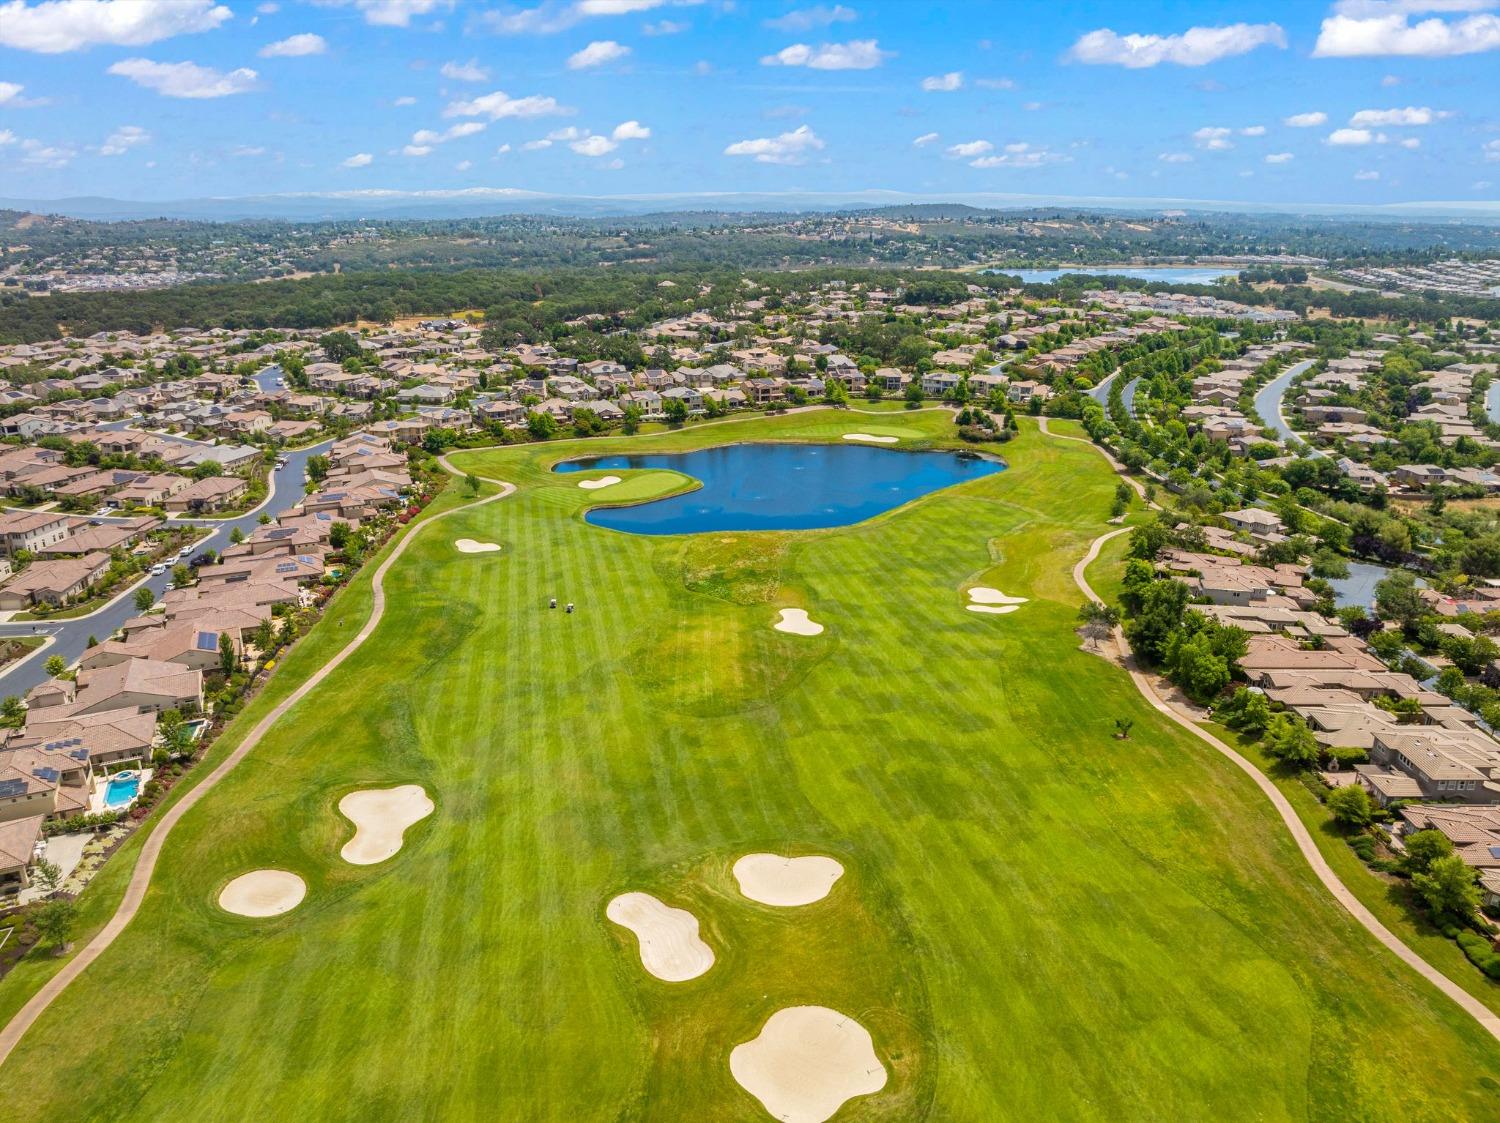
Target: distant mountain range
480 202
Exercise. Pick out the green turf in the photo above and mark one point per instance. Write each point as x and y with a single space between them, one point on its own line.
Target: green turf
1038 921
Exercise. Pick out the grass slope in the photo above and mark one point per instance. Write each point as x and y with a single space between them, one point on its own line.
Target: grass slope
1037 921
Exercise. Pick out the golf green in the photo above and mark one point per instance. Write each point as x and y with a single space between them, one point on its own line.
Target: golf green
1036 921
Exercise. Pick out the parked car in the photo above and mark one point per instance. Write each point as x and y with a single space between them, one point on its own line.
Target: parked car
158 569
185 551
204 558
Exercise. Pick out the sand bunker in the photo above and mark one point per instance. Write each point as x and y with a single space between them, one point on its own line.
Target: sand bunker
983 594
870 438
993 609
670 946
786 882
380 817
595 485
795 621
469 546
807 1061
263 893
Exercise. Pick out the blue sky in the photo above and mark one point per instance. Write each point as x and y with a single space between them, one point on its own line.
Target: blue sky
1359 101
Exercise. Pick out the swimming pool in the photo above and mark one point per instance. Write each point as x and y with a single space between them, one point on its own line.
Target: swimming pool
122 789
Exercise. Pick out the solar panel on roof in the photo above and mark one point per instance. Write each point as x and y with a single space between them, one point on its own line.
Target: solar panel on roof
12 788
48 774
206 641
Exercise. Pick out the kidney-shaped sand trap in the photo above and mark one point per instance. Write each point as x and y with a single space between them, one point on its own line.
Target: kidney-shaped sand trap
380 817
469 546
983 594
670 946
795 621
595 485
263 893
807 1062
870 438
787 882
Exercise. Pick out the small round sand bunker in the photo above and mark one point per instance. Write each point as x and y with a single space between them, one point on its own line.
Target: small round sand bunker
871 438
796 622
807 1063
786 882
381 817
469 546
983 594
263 893
671 948
595 485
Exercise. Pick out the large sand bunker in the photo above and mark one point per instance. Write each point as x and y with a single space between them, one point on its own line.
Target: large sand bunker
380 817
595 485
993 609
807 1062
786 882
983 594
670 946
795 621
469 546
870 438
263 893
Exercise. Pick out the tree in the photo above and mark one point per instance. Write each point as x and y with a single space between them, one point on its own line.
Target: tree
55 666
338 535
12 712
676 410
1097 622
1423 848
1449 888
471 484
1290 741
54 922
541 426
1247 711
1351 806
1398 598
227 656
48 876
182 575
1123 725
632 421
340 345
317 468
236 536
174 732
1162 606
144 599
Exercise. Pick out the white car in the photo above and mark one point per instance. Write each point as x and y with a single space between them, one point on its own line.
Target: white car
158 569
185 551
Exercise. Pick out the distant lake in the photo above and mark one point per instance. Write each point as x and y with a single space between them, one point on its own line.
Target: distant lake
781 486
1167 274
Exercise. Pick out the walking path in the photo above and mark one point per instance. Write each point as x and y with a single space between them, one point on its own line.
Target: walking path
145 866
1310 852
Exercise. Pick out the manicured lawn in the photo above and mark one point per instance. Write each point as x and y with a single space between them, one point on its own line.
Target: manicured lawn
1037 921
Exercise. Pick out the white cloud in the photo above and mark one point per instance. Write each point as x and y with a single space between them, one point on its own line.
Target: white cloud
123 139
1279 158
54 26
1305 120
572 132
502 150
1409 142
995 83
953 80
788 148
500 104
857 54
463 165
295 46
247 151
1366 175
426 138
10 92
469 71
416 150
809 18
1369 30
1491 150
391 13
1213 138
1253 130
185 79
969 148
1411 115
358 160
41 155
593 146
1390 80
597 54
1175 158
406 99
665 27
7 137
925 139
1020 155
702 67
1354 138
1032 106
1197 46
630 130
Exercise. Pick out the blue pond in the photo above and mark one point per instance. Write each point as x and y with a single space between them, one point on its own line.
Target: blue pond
781 486
1174 275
